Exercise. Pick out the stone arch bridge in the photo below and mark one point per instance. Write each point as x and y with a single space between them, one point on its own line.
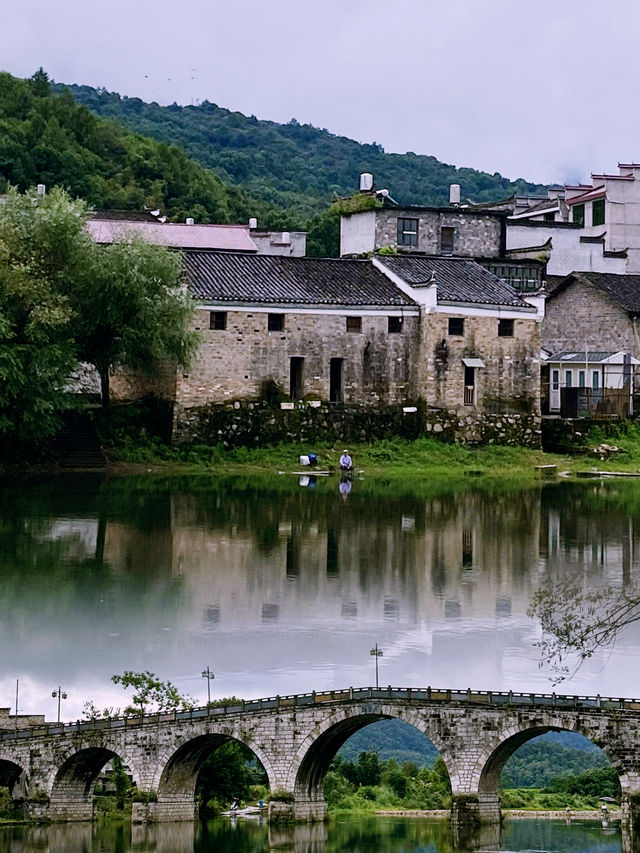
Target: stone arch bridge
296 737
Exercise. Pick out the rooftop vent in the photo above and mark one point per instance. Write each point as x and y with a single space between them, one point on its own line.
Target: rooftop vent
454 195
366 182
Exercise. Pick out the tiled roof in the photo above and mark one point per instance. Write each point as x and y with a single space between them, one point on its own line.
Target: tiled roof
231 238
623 289
457 279
580 356
274 279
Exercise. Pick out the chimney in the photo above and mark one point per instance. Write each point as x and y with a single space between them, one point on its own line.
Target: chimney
454 195
41 189
190 220
253 223
366 182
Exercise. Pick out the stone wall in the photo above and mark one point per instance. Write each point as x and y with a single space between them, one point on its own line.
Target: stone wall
509 382
581 317
233 363
257 424
475 235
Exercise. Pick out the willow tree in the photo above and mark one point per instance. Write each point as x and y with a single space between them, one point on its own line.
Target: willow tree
43 245
131 310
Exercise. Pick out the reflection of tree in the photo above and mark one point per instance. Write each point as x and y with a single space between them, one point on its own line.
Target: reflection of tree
577 623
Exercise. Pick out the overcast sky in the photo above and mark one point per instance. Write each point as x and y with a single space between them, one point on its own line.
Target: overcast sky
541 89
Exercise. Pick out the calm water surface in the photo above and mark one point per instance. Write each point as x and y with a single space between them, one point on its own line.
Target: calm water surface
281 588
370 835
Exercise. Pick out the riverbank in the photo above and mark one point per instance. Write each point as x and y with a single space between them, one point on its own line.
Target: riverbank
507 814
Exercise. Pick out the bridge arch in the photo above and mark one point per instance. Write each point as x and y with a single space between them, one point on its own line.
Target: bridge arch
72 784
488 770
14 777
312 759
179 770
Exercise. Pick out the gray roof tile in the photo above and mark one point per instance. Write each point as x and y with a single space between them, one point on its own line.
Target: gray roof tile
457 279
623 289
273 279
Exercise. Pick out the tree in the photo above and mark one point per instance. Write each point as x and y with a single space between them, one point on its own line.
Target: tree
130 310
150 695
42 244
229 774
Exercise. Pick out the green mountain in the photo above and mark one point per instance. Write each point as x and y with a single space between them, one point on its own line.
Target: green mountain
296 167
47 137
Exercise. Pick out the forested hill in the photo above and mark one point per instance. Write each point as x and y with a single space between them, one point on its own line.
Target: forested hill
47 137
295 166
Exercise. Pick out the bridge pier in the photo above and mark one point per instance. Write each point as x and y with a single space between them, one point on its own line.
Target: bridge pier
66 810
471 810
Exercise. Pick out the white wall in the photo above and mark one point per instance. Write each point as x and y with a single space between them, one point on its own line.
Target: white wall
568 254
358 233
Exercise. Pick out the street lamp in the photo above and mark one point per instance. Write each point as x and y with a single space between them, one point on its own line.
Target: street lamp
206 673
60 694
377 653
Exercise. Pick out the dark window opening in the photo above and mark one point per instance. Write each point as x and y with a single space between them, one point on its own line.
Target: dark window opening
597 212
505 328
218 320
394 325
407 232
456 325
577 215
275 322
447 234
296 378
354 324
550 217
335 380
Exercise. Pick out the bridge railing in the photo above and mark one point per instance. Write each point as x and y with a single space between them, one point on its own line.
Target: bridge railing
509 698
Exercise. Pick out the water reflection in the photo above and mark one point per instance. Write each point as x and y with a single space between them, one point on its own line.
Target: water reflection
283 589
366 835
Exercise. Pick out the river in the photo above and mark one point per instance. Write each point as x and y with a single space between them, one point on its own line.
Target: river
364 835
282 586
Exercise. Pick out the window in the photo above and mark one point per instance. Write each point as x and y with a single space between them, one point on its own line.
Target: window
354 324
407 232
218 320
456 325
568 379
555 379
505 328
597 212
394 325
578 214
447 234
550 217
595 380
469 386
275 322
582 378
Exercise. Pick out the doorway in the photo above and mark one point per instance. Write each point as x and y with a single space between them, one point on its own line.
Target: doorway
296 378
335 380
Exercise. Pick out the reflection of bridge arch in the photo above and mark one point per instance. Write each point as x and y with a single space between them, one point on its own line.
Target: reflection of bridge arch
180 767
316 752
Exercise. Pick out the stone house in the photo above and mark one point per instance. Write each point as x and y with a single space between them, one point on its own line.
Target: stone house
444 231
390 330
479 340
329 330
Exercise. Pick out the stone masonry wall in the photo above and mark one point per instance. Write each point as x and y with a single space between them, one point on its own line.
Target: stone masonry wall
256 424
233 363
508 383
581 317
475 235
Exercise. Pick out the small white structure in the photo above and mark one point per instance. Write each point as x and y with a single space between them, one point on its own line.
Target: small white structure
589 383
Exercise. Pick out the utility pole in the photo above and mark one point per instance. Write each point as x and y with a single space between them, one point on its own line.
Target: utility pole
377 653
60 694
17 688
206 673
